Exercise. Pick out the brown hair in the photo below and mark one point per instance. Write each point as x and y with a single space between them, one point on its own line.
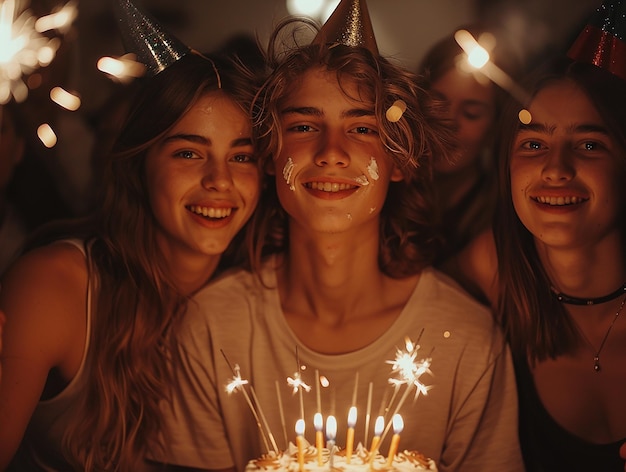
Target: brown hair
136 306
408 241
536 324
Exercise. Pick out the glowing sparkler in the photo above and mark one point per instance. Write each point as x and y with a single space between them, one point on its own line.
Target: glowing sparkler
409 372
408 369
65 99
238 383
23 47
123 69
298 384
478 58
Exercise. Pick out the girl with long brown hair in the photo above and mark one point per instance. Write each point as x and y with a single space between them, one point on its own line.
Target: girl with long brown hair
554 266
91 316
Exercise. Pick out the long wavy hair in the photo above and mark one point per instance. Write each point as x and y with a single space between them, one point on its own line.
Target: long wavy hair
136 306
407 239
536 324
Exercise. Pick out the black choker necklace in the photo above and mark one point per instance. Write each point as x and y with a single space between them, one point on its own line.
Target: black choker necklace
588 301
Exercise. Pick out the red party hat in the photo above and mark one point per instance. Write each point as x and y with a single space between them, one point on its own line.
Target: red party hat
601 42
350 25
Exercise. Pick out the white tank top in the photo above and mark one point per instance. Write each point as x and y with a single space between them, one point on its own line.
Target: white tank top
50 418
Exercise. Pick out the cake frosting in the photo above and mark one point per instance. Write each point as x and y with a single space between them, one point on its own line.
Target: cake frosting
360 461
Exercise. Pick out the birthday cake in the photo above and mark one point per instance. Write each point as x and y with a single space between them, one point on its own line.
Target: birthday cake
325 455
360 461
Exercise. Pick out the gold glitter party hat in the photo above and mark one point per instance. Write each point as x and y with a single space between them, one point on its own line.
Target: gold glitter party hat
143 36
601 42
350 25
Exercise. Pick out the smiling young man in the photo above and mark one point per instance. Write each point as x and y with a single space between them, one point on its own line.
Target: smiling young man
346 231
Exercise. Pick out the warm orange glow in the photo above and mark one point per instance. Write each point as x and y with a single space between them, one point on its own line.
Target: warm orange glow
65 99
47 135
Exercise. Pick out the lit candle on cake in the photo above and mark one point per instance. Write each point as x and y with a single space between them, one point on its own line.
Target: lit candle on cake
300 443
318 422
398 425
350 436
331 434
378 430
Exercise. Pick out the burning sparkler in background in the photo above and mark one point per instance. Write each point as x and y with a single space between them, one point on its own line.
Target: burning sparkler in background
478 58
23 45
123 69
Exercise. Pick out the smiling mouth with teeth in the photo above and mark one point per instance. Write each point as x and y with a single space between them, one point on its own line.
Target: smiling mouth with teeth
329 187
559 201
209 212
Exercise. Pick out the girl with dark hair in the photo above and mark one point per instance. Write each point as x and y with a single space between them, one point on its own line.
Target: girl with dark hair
556 272
91 316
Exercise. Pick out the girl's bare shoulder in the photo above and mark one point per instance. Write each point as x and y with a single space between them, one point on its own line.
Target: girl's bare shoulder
43 294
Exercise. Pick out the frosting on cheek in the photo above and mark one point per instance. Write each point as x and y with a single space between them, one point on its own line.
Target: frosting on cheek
362 181
287 171
372 169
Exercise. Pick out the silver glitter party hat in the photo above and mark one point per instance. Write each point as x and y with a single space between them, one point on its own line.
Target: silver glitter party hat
350 25
143 36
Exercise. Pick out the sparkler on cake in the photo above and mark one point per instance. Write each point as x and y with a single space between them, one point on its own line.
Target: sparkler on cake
301 456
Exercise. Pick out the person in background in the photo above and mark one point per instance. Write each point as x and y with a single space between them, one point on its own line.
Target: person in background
346 225
91 315
465 186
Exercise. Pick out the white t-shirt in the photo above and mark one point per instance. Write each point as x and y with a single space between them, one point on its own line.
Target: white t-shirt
467 421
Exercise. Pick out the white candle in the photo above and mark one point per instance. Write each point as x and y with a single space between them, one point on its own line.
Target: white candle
350 436
331 434
398 425
318 422
300 443
378 430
